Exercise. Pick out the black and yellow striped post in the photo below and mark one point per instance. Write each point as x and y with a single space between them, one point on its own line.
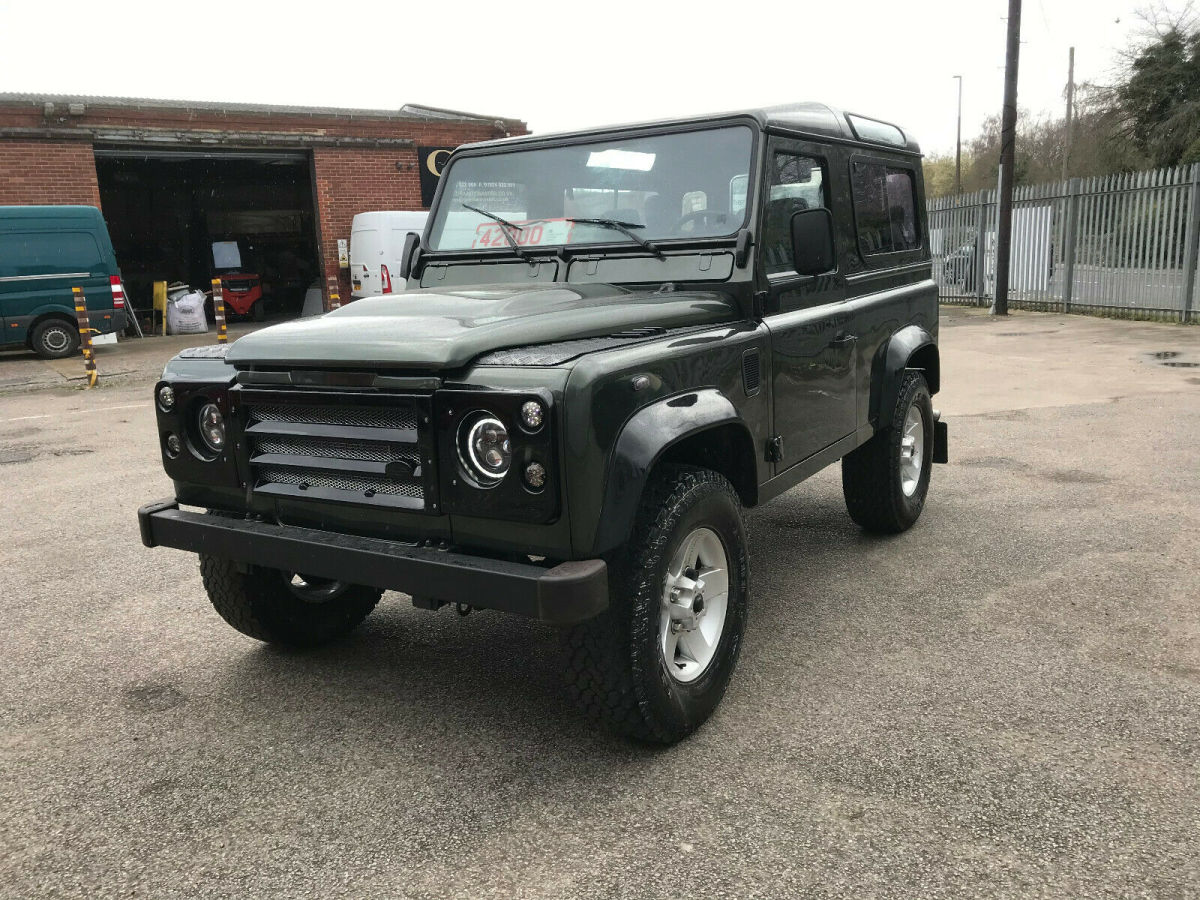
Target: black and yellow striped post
85 337
219 310
335 300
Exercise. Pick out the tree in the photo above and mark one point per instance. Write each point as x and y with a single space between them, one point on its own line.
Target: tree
1159 98
939 175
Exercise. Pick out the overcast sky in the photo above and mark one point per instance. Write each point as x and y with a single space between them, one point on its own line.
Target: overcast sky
564 65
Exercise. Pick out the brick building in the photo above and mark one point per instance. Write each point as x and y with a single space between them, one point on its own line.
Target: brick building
171 176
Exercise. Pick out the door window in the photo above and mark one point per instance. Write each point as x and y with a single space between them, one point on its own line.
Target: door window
795 183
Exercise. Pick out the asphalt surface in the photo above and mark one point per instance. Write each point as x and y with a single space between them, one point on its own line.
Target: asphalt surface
1005 701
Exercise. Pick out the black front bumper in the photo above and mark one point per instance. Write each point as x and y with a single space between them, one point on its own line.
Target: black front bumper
568 593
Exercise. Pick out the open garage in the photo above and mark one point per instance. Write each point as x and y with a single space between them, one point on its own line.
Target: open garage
166 209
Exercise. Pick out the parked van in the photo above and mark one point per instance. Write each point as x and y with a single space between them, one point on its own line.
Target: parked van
44 252
376 248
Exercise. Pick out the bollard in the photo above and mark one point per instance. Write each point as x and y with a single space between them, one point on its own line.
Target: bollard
335 301
219 310
85 337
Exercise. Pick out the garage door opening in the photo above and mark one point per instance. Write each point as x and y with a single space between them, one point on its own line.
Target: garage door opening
167 208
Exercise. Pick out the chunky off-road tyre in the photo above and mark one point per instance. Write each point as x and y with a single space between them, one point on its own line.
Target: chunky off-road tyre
630 668
54 338
265 604
886 479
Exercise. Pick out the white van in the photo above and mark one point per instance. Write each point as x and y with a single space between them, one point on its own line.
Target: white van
376 247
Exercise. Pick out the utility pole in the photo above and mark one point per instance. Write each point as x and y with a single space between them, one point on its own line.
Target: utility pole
958 143
1008 141
1070 111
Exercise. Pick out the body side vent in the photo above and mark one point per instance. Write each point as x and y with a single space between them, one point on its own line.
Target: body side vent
751 371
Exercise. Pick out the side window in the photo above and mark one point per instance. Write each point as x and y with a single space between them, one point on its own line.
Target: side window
50 252
884 208
795 183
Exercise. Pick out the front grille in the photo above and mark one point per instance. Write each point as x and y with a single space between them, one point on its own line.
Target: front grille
367 486
366 449
331 448
368 416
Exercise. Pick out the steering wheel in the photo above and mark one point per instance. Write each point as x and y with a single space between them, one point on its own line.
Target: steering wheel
707 216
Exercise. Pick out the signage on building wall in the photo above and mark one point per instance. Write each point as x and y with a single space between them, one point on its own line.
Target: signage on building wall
431 161
343 254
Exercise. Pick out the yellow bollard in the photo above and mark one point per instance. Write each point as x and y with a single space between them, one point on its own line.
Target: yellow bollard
219 310
160 305
85 337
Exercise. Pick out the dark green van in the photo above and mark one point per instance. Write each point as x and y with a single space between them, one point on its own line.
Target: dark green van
44 252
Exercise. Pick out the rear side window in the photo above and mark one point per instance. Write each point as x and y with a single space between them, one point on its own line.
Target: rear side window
50 253
885 208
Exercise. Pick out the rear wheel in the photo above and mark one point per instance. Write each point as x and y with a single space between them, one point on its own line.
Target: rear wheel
885 481
283 607
655 665
54 339
258 311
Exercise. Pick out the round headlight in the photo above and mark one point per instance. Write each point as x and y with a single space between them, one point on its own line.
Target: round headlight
174 446
212 427
485 448
532 415
166 397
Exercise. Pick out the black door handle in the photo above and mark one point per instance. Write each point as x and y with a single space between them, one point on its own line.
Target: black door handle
843 340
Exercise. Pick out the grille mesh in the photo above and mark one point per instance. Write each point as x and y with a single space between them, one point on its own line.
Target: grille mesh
330 448
339 445
359 416
341 482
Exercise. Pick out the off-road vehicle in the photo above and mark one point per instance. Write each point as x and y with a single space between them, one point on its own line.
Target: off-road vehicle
611 343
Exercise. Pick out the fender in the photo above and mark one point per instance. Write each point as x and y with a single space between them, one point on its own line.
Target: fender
912 347
649 433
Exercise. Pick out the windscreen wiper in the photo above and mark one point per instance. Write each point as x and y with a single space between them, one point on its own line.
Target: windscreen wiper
504 226
624 228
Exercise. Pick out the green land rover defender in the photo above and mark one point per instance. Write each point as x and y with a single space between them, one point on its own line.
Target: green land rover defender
611 344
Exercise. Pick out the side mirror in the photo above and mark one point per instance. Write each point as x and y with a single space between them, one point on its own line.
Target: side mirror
812 242
412 242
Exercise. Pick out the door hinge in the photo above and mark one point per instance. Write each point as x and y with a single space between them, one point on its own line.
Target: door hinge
760 305
775 448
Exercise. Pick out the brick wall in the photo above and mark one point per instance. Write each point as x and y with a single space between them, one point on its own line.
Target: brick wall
351 181
45 172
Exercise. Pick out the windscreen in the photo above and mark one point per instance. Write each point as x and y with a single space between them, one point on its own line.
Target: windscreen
683 185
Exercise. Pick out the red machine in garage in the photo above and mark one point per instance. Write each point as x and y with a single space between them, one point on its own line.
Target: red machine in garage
242 292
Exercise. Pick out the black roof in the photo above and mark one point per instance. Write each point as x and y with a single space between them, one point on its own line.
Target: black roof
815 119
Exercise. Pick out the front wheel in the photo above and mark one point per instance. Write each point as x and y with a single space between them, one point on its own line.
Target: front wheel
655 665
885 481
284 607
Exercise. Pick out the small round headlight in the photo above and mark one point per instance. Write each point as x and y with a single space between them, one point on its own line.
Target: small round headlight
535 476
485 448
532 415
212 427
174 445
166 397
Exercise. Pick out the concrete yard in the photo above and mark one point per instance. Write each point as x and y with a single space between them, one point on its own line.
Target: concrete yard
1005 701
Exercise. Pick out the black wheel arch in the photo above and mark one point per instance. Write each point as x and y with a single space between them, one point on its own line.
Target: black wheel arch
910 348
698 427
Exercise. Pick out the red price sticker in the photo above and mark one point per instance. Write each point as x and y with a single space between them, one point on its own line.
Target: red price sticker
531 234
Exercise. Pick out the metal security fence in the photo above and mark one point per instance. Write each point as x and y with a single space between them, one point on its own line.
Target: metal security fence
1120 245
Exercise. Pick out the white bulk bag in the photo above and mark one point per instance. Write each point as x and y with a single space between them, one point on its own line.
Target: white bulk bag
185 313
